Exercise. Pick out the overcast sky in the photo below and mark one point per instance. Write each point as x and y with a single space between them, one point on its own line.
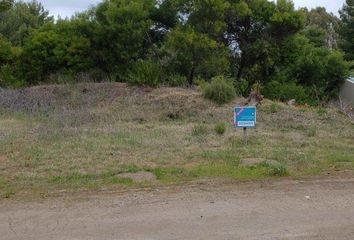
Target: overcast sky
66 8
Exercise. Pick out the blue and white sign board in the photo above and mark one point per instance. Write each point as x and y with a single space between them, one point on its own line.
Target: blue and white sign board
245 117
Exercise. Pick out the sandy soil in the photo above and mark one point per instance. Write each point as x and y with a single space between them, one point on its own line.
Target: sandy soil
321 208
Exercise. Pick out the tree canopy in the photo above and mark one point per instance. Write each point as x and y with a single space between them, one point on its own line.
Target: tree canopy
292 52
347 29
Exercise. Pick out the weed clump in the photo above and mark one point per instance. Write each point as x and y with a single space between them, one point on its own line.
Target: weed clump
199 130
220 90
220 128
278 170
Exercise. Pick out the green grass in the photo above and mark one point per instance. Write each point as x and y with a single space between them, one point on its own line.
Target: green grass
88 145
220 128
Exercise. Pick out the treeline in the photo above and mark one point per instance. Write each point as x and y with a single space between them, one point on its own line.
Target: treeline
302 54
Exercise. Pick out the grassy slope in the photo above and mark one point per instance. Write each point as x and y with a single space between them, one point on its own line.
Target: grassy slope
72 137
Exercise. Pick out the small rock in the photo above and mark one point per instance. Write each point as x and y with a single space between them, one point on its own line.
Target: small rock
292 102
307 197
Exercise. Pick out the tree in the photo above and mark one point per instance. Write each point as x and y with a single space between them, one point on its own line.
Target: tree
317 36
321 27
62 47
347 29
121 33
17 23
207 17
165 17
5 5
254 28
317 69
8 56
192 53
5 51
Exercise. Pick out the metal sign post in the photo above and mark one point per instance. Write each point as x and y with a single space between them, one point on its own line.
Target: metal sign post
245 135
245 117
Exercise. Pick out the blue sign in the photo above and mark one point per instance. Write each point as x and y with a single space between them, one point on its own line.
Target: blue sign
245 117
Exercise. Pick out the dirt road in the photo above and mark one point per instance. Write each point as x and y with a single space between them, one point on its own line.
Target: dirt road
276 209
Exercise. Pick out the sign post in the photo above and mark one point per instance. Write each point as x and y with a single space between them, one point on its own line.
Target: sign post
245 117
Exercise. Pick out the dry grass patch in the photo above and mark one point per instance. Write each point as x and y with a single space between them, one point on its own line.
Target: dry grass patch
84 136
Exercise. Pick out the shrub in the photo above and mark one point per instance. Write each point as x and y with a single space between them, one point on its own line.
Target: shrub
220 90
7 78
285 92
144 72
201 83
242 87
220 128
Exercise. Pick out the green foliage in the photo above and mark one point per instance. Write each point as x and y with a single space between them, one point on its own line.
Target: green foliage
220 128
220 90
321 26
55 48
255 42
120 33
278 171
17 23
208 17
316 35
5 51
177 42
242 87
41 56
285 91
145 72
192 54
319 70
5 5
346 29
8 79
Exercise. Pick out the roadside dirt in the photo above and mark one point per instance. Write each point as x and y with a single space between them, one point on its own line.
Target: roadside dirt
318 208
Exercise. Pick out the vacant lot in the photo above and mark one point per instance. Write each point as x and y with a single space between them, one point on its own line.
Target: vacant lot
85 136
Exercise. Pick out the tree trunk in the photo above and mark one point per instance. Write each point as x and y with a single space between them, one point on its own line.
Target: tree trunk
241 68
191 76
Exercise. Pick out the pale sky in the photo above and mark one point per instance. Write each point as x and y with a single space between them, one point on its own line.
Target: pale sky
66 8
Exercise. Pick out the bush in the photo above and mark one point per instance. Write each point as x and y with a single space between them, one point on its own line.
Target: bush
242 87
144 72
220 128
220 90
7 78
201 83
285 92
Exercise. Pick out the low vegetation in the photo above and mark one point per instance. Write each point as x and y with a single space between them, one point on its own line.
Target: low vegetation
220 90
73 137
